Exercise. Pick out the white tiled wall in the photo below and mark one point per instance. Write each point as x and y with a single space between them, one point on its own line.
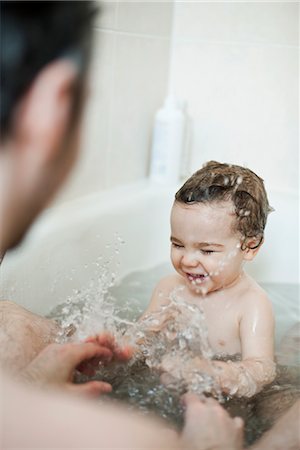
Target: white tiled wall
129 76
236 64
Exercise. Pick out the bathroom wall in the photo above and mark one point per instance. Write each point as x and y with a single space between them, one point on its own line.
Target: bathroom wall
236 65
128 81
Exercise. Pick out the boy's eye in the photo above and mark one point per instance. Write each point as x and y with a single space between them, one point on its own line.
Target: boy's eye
207 252
176 245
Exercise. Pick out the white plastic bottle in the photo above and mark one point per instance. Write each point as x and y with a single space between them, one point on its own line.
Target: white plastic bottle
167 143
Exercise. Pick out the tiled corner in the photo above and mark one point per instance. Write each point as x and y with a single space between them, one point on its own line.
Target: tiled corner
107 15
145 17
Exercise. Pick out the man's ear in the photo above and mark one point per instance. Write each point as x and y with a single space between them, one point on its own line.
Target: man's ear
252 247
43 116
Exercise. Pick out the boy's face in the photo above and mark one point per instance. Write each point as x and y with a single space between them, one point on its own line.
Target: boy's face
205 250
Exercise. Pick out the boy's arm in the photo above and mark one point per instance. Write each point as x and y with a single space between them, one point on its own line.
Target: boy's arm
153 318
159 296
257 367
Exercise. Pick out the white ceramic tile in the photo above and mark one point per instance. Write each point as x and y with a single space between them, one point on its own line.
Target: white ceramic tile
246 22
107 14
139 89
146 17
90 173
244 105
102 53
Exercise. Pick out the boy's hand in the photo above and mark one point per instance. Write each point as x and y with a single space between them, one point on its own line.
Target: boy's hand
172 368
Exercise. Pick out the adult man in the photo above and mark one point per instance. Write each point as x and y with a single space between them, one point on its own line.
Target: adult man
44 59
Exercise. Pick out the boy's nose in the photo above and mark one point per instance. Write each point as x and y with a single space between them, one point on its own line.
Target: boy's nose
190 259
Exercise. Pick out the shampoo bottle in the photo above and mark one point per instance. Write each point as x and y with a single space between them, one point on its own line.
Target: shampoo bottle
167 143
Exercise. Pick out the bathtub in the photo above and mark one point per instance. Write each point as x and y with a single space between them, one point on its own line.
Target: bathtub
60 253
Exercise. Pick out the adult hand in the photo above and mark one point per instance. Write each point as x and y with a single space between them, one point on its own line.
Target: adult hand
56 365
208 426
119 353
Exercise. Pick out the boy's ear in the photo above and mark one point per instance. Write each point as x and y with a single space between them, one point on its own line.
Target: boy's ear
43 116
252 247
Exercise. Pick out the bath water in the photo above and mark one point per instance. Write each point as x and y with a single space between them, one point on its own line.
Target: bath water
116 307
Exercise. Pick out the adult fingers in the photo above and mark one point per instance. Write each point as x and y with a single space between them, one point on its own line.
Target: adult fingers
77 353
239 431
191 399
239 423
90 366
106 339
123 353
90 389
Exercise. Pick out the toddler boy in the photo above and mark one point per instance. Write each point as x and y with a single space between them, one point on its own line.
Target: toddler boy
217 223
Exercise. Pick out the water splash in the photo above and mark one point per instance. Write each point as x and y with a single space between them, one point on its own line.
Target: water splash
92 309
138 385
170 338
161 338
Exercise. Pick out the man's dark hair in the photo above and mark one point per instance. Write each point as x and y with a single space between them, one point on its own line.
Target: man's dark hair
34 33
217 182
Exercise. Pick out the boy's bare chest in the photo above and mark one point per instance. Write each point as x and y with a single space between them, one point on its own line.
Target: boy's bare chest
222 320
223 331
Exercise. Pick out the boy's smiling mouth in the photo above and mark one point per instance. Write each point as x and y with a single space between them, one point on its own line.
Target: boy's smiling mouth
197 278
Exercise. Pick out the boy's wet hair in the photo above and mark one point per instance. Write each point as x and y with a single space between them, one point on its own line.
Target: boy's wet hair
35 33
217 182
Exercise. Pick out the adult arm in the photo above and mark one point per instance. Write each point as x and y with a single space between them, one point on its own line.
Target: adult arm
39 419
23 335
285 434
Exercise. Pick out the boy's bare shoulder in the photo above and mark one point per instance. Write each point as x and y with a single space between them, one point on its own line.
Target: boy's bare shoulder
255 296
168 283
161 292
